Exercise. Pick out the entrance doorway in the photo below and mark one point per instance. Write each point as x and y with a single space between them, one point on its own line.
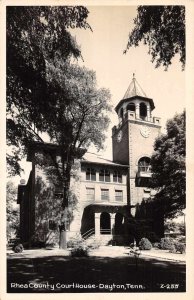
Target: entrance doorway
105 226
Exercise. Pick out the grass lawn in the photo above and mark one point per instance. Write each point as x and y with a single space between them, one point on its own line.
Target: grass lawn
64 274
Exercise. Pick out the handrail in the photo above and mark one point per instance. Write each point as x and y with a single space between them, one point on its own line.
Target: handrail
88 233
106 230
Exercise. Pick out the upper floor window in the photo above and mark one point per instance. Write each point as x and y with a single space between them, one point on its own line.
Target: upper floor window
90 174
144 165
90 194
104 175
118 195
117 177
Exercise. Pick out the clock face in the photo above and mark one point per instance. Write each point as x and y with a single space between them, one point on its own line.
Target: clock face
145 131
119 136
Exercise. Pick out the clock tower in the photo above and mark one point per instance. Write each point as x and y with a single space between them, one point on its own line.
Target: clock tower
133 139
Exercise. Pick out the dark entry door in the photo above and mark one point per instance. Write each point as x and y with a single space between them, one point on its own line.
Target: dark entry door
105 223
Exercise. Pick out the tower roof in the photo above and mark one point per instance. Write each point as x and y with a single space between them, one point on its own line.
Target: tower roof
134 90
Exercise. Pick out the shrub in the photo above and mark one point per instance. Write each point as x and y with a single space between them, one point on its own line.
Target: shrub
79 248
80 251
18 248
166 243
145 244
172 248
179 247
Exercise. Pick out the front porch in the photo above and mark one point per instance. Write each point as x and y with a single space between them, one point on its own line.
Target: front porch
105 222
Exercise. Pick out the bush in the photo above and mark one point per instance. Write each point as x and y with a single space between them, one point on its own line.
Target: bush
172 248
18 248
166 243
80 251
179 247
79 247
145 244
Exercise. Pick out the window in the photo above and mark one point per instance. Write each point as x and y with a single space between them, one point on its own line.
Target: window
105 194
144 165
117 177
104 175
118 195
90 174
90 194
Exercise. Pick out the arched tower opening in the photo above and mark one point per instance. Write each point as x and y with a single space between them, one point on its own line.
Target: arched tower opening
131 107
143 111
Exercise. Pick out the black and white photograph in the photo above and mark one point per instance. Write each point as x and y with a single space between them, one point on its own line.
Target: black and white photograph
96 148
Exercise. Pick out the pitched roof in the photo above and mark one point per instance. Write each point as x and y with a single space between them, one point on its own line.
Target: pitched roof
134 89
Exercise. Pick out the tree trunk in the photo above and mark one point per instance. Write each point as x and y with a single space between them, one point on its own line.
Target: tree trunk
65 203
63 231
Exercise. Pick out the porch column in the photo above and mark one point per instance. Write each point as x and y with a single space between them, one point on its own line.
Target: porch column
112 222
97 224
137 110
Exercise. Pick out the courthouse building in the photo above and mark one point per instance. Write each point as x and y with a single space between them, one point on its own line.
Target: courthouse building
108 191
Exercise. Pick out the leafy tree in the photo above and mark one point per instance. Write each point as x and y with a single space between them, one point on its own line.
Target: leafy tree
36 36
168 167
47 94
162 28
12 212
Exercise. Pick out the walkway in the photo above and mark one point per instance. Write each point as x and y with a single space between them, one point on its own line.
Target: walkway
103 251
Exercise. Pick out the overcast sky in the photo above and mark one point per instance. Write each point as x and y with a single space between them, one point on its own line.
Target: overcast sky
102 51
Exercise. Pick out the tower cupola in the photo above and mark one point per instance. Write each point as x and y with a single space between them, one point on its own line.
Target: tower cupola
135 102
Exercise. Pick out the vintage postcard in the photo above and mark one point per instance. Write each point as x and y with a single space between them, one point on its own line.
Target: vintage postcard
98 106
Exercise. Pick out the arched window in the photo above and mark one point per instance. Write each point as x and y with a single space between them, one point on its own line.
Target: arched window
131 107
144 164
143 110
